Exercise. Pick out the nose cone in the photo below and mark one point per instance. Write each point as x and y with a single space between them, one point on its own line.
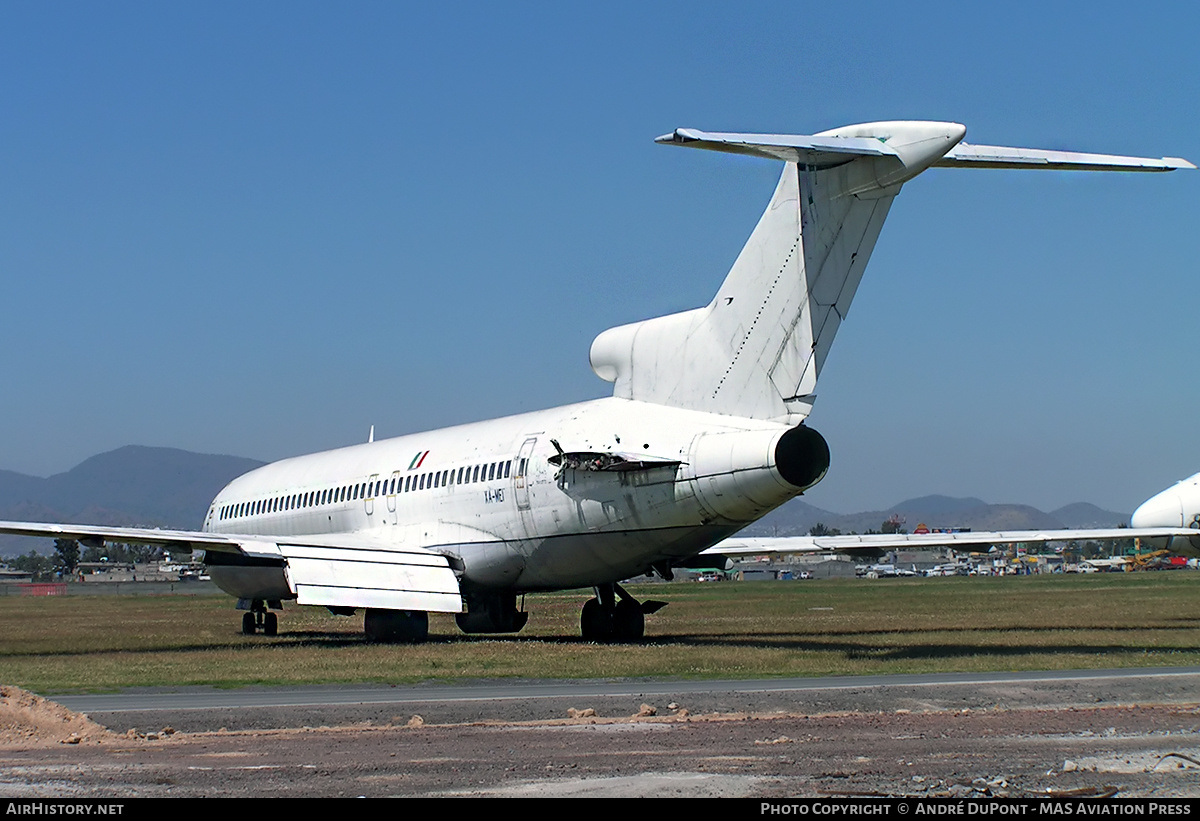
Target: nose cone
1163 510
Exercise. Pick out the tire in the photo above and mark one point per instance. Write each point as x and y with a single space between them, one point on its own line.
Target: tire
629 623
596 621
388 626
270 625
248 627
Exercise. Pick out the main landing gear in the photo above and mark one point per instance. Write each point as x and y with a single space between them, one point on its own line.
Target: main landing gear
491 613
258 617
396 626
389 626
614 615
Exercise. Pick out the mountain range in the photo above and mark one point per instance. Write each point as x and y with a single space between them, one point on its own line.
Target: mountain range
797 517
133 486
137 486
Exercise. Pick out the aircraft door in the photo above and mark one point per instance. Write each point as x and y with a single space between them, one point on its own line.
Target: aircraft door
521 474
390 491
369 498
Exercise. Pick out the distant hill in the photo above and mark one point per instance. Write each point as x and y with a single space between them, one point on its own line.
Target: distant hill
130 486
1082 514
797 517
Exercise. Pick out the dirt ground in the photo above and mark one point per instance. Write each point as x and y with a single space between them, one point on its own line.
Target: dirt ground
1067 738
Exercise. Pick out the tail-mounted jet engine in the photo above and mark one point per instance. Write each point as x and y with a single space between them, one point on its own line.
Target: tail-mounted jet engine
740 475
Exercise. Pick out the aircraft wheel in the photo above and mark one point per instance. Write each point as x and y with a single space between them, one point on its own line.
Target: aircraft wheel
596 621
396 626
629 624
270 625
248 627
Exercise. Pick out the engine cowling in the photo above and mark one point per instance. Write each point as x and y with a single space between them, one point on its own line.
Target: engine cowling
740 475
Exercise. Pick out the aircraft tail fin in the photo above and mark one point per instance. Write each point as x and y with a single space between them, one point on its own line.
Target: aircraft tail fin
758 348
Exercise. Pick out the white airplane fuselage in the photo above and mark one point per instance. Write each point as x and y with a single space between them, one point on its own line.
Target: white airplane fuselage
527 524
1177 506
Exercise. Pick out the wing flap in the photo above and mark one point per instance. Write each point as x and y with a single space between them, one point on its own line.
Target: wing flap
349 574
380 599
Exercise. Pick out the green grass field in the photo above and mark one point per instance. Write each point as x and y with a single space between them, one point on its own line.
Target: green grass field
726 630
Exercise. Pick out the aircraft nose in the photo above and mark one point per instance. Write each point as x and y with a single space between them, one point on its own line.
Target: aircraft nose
1163 510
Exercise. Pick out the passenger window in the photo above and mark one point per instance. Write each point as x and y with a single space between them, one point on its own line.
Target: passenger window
507 468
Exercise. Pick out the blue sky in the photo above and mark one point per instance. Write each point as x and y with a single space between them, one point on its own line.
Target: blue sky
259 229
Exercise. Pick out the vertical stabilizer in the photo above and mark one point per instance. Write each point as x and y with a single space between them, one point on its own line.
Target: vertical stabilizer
757 349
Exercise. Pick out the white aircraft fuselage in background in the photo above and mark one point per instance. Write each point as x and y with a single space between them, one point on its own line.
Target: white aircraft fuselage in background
1177 506
704 432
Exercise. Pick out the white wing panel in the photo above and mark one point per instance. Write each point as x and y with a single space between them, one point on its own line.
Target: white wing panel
295 552
340 576
379 599
250 545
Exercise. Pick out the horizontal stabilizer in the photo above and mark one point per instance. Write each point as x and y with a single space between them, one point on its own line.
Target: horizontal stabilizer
964 155
816 151
832 148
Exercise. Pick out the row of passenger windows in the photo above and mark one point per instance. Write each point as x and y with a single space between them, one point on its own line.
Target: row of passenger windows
369 490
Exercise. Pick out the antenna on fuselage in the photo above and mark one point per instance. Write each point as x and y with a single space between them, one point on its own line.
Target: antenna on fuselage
371 435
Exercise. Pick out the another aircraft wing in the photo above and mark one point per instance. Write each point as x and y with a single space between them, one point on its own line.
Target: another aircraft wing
334 570
743 546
